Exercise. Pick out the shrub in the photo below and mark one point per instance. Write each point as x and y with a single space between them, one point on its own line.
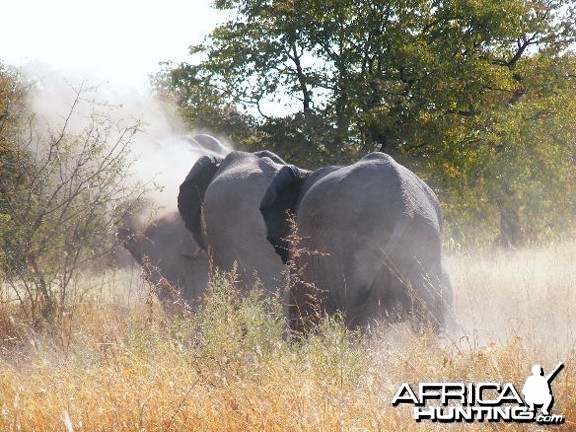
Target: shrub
58 204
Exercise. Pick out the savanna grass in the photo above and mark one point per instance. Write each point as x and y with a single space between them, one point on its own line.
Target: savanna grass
230 366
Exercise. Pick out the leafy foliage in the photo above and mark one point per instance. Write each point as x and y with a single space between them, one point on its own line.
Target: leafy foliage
11 108
60 190
473 95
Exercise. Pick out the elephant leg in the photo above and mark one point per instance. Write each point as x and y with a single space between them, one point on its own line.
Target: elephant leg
304 299
379 301
429 298
418 259
370 288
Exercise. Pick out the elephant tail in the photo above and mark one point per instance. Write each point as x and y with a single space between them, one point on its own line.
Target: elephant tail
397 233
377 279
385 252
380 259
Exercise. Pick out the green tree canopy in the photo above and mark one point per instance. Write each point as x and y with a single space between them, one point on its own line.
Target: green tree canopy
476 95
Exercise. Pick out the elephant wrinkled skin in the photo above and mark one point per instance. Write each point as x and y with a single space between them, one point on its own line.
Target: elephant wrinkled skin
219 201
371 236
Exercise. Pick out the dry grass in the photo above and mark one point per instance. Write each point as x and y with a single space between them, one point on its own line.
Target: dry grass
228 368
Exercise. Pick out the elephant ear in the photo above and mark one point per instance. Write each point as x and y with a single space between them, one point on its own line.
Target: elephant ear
192 192
272 156
279 203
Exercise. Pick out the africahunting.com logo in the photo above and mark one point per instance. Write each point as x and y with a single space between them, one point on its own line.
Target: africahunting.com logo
450 402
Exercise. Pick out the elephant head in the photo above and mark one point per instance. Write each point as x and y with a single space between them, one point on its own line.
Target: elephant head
279 205
166 251
210 143
206 145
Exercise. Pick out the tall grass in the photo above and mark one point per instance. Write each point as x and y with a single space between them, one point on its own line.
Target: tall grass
230 367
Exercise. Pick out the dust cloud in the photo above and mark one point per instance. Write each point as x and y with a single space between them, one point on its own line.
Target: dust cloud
163 151
525 294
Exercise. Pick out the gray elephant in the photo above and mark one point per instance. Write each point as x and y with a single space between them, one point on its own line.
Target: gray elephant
220 203
369 241
166 250
206 145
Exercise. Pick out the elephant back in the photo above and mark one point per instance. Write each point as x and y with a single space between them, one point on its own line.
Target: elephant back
373 229
235 229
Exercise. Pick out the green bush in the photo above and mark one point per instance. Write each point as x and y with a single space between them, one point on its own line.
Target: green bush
59 191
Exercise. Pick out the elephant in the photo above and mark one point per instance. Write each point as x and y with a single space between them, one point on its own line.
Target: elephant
368 239
165 248
220 204
206 145
167 251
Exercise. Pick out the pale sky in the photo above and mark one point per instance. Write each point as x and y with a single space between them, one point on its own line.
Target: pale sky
118 41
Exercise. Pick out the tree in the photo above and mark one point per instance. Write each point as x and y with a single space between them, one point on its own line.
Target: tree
11 116
427 81
203 108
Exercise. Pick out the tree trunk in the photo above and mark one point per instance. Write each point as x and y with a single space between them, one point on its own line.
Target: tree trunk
510 229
